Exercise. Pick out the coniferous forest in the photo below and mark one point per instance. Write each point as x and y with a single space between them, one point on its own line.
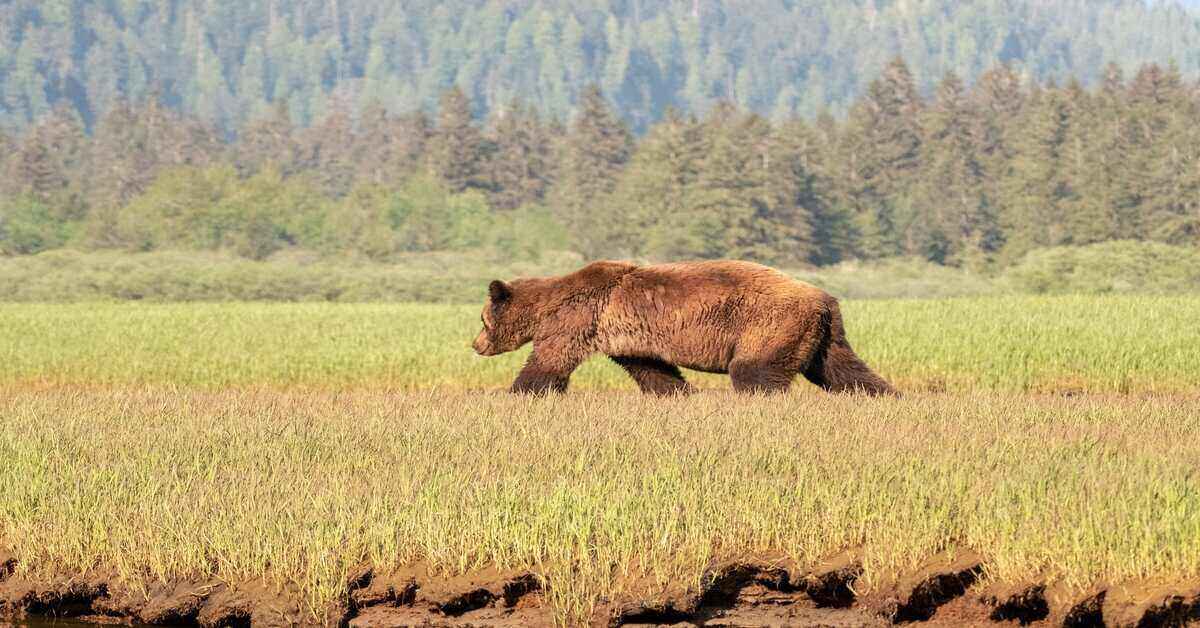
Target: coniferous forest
972 176
231 62
974 168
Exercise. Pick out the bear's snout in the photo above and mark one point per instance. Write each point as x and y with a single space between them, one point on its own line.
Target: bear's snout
482 345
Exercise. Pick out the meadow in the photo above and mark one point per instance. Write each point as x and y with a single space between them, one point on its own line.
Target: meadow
1119 344
1056 438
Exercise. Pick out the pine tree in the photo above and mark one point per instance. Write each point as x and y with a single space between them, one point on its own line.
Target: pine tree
1118 176
1157 124
330 149
456 149
816 166
795 195
999 98
884 146
650 206
7 148
520 169
41 189
375 146
49 165
1087 196
269 142
596 149
748 196
724 201
175 139
954 221
133 144
1031 210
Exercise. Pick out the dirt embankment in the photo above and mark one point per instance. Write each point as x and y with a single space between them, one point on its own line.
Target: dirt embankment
946 592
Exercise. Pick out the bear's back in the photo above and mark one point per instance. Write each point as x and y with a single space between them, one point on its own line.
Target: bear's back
721 277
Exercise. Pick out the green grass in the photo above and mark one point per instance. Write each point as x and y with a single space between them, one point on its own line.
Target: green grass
1076 343
594 490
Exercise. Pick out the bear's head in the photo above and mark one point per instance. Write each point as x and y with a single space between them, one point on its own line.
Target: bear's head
508 321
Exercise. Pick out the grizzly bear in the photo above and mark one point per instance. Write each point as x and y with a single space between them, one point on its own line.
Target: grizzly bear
752 322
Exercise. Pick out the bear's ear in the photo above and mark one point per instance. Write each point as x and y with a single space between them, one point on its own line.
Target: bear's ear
499 291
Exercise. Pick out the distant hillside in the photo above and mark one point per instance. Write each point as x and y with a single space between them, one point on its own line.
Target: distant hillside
226 62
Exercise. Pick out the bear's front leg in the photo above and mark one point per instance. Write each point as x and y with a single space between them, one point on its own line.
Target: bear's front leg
548 370
537 382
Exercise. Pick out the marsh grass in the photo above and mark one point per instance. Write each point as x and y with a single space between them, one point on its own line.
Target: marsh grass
1070 343
601 492
293 442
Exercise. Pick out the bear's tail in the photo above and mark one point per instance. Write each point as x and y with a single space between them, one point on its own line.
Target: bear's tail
836 368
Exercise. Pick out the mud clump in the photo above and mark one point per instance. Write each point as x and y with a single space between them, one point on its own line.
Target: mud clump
833 588
418 597
175 605
98 599
748 594
72 599
1151 607
1025 607
1087 613
943 593
917 597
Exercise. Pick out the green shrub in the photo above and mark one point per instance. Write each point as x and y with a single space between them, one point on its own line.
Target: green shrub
899 278
65 275
29 226
1107 267
293 274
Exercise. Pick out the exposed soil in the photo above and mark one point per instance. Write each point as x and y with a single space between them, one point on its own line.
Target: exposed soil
945 592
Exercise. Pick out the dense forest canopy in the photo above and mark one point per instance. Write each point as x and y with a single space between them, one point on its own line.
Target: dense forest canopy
227 63
973 176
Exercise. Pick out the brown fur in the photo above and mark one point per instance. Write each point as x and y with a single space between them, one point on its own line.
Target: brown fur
754 323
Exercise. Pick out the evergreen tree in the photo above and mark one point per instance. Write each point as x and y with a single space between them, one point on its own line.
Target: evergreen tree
456 149
49 165
818 198
520 168
329 150
1032 193
1159 129
133 144
375 146
651 203
884 146
1111 179
1088 198
999 98
786 212
269 141
597 148
954 220
976 176
723 203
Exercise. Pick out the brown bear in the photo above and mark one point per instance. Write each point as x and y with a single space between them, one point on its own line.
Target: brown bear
752 322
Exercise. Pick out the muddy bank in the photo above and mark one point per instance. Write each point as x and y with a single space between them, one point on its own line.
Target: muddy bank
945 592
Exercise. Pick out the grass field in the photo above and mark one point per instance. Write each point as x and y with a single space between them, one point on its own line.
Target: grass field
595 490
1095 344
293 442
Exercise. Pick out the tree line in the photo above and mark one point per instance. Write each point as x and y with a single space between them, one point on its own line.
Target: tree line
227 63
974 175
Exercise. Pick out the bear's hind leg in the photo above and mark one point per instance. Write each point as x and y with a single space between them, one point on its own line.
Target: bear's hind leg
654 376
760 377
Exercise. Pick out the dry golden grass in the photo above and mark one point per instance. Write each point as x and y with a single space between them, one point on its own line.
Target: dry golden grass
596 490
